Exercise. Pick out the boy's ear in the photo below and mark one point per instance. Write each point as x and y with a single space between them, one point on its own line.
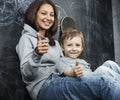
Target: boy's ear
62 48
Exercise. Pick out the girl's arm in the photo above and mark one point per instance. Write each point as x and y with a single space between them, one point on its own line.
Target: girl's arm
29 59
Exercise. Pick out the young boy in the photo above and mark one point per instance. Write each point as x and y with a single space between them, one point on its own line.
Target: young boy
72 43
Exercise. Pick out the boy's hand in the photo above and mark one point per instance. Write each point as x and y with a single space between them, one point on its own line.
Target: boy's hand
42 45
77 70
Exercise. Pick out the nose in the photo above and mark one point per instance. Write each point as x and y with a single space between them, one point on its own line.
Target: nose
73 47
48 17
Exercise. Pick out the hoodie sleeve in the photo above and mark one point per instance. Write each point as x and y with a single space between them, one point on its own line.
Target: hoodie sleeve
29 60
62 65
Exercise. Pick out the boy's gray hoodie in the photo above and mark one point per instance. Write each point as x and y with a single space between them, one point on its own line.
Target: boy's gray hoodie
35 69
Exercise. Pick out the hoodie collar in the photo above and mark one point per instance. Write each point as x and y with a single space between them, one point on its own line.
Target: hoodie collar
29 30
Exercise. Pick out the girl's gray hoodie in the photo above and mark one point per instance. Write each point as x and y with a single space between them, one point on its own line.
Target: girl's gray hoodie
35 69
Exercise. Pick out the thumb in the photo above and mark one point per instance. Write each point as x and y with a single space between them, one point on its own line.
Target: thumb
77 63
38 36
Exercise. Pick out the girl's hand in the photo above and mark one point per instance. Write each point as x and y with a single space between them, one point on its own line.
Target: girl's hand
42 45
77 70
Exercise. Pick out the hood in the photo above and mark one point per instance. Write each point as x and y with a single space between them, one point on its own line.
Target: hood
29 30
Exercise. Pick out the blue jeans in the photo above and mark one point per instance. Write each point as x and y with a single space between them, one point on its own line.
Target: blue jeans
89 87
109 68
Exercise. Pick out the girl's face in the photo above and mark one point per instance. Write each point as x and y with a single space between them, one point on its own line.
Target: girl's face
45 17
73 47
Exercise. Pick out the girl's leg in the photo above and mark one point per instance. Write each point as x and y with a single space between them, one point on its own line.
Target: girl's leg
112 65
84 88
109 68
106 71
65 88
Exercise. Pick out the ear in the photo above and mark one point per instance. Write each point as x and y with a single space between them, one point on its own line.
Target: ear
62 48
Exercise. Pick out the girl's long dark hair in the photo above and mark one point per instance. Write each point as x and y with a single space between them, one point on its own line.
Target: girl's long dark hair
30 18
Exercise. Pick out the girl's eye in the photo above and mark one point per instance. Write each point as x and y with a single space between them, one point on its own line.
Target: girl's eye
43 13
52 14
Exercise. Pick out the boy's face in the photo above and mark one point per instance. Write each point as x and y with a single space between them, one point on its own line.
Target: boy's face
72 47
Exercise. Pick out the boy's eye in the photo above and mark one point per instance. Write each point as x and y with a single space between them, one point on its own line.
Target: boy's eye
69 45
78 45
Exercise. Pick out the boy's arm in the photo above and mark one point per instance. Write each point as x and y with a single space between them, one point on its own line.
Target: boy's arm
75 72
69 73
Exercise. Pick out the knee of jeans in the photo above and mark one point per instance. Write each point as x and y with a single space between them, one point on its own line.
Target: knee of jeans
108 63
101 69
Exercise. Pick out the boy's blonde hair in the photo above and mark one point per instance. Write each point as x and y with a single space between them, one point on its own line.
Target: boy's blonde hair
70 33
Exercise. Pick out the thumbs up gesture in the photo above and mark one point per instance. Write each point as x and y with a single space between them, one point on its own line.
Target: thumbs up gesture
77 70
42 45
